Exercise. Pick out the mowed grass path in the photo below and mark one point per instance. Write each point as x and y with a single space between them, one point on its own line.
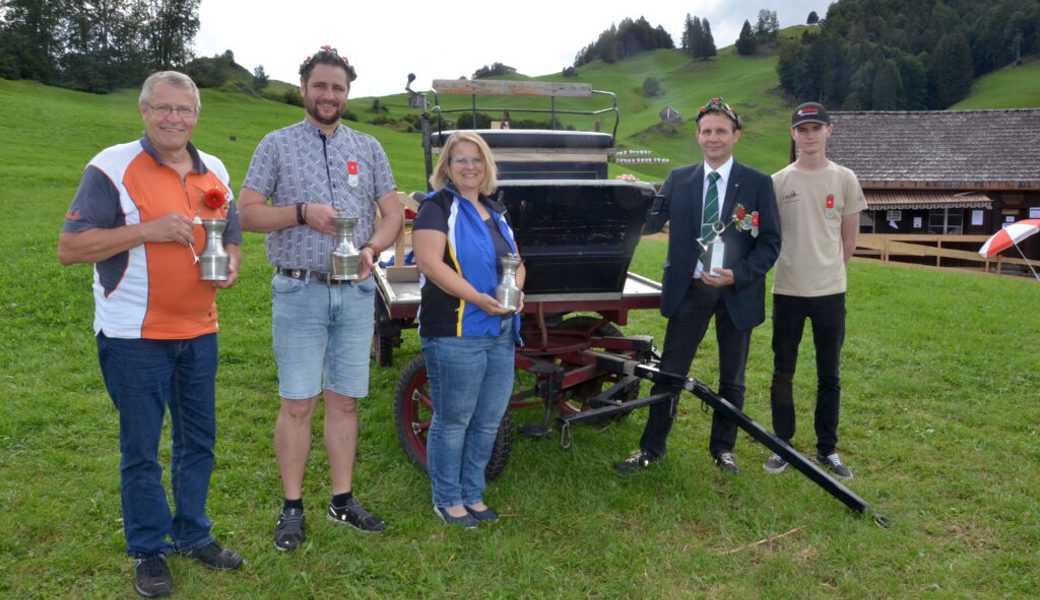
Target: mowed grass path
941 412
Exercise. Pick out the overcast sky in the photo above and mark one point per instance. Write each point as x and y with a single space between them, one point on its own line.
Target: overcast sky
387 40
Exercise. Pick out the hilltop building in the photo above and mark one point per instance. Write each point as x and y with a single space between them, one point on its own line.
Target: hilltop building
670 114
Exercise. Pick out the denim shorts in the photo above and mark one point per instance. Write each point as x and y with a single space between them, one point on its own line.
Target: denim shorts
322 336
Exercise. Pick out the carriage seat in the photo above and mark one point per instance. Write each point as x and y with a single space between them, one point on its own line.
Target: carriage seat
543 153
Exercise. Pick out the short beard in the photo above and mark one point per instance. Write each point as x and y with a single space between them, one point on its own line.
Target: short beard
317 117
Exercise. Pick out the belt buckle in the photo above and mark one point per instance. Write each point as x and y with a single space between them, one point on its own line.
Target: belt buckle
296 273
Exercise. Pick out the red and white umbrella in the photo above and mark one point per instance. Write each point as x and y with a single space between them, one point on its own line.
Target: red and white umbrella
1009 236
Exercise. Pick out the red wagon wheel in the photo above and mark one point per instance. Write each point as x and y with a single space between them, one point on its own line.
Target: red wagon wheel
576 399
413 410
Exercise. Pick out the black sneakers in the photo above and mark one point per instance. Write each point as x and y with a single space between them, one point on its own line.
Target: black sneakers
638 460
152 577
356 516
214 557
727 463
288 533
832 464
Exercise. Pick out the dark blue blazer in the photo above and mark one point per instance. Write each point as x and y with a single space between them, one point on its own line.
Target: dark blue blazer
680 203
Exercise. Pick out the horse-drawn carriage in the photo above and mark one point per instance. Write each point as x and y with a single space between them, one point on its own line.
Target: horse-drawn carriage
577 231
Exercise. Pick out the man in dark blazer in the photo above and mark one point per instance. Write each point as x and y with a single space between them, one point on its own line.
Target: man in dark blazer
734 294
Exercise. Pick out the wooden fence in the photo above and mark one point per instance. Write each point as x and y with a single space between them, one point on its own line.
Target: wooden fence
889 247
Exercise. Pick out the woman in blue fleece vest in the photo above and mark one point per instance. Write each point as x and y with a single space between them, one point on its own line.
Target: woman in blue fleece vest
467 338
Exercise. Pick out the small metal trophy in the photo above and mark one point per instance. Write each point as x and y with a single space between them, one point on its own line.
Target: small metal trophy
507 292
346 255
713 255
214 259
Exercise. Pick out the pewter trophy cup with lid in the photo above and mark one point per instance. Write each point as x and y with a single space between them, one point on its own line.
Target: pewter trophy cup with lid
214 259
346 255
507 292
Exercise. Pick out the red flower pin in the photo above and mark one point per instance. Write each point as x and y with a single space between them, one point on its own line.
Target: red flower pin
214 198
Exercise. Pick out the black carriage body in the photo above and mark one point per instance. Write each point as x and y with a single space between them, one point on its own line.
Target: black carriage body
576 237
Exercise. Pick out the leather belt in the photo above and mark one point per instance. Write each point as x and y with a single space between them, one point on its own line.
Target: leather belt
305 275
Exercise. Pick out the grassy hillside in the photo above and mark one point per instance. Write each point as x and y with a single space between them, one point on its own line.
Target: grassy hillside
1014 86
939 422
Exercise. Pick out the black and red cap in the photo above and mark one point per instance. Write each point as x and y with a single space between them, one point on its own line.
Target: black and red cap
810 112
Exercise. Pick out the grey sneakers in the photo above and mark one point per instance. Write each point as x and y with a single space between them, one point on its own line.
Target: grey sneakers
775 465
832 464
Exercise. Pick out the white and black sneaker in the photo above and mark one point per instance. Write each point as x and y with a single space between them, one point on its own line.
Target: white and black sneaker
639 459
727 463
355 515
833 465
289 532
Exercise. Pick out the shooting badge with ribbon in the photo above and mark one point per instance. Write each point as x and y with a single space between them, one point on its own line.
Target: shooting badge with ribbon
352 172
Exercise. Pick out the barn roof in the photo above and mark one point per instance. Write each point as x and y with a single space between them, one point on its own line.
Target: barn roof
971 149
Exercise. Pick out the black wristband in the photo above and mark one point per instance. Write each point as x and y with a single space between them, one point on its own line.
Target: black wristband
299 214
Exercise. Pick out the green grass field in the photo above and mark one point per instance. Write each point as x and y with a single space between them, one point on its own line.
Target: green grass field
940 424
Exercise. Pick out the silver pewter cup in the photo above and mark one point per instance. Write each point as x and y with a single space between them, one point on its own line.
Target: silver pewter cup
346 255
214 259
507 292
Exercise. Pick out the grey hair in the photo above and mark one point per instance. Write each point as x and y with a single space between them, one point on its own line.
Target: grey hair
174 78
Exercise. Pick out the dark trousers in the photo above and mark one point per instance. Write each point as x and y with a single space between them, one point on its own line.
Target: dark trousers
686 329
827 316
145 378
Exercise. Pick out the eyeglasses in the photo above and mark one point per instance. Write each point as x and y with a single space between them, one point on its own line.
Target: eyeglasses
164 110
475 161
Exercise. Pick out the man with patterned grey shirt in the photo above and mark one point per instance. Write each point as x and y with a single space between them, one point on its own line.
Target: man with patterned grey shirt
312 172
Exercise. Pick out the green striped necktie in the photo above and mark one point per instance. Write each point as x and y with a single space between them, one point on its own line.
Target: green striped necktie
711 205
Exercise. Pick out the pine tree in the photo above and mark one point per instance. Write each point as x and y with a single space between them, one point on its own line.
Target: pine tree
746 41
707 49
696 34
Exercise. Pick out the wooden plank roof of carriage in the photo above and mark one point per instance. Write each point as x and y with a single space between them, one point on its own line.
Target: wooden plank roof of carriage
984 150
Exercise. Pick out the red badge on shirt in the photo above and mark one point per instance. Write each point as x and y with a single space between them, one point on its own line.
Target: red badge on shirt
830 200
352 167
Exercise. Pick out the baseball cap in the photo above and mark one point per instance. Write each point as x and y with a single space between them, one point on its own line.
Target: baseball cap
810 112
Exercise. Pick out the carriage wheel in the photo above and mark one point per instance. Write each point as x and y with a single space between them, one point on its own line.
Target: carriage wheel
383 337
383 349
413 410
576 399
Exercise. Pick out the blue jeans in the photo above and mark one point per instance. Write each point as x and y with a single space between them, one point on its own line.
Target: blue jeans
322 335
143 378
827 316
471 380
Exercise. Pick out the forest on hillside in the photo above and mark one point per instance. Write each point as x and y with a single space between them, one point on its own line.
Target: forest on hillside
905 54
95 45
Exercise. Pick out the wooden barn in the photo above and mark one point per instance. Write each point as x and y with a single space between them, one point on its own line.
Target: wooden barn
942 176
